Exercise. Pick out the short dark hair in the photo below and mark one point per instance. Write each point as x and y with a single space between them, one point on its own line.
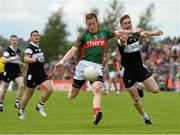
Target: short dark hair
124 17
34 31
91 16
15 36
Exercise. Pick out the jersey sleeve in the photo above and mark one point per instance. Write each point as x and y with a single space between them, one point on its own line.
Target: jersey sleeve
28 51
109 34
6 54
79 41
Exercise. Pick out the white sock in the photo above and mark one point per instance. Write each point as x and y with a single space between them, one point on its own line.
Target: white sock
145 116
17 101
40 105
1 103
21 111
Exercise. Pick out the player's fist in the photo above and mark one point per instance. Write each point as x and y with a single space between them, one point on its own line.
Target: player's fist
157 32
58 66
17 57
123 38
40 59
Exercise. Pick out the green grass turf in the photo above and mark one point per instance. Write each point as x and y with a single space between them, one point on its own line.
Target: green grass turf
75 116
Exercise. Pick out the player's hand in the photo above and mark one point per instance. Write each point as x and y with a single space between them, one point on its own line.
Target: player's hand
17 57
123 38
157 32
58 66
40 59
138 30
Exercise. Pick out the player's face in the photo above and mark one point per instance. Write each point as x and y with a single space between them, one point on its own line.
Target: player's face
14 41
92 25
126 24
35 37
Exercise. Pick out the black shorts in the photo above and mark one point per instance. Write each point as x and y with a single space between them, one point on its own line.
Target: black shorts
1 76
79 83
33 80
8 76
135 75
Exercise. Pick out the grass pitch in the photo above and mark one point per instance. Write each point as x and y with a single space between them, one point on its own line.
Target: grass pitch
75 116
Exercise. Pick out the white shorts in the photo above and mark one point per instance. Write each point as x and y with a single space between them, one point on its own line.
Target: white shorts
112 74
83 64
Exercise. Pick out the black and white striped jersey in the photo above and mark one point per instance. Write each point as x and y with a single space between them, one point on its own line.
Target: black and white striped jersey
130 54
14 65
35 51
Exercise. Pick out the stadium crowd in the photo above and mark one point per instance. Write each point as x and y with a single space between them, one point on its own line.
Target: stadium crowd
162 58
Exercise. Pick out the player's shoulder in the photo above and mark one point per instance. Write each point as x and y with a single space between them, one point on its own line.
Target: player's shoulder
105 30
82 35
29 47
7 49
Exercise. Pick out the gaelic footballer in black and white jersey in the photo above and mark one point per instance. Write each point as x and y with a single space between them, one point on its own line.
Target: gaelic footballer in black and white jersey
134 73
36 73
12 71
35 76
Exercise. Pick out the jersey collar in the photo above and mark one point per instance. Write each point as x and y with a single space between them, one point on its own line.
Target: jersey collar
14 49
34 44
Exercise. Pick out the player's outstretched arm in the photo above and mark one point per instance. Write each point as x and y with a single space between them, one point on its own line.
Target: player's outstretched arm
145 34
66 58
128 32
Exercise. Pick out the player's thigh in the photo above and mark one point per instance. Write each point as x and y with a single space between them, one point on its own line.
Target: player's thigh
48 84
5 84
151 84
20 81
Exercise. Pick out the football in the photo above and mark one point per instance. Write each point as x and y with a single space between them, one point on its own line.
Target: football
91 74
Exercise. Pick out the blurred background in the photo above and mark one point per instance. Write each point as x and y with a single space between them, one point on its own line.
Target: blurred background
61 21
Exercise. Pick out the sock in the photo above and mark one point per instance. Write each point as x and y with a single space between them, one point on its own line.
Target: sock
145 116
95 110
21 111
1 103
17 101
40 105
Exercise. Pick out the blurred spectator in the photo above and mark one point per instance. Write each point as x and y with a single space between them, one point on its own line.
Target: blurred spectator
161 57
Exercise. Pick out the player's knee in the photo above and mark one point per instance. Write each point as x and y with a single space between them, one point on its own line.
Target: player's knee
21 86
136 101
97 86
49 91
155 90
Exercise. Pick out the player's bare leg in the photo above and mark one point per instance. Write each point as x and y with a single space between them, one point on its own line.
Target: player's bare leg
97 99
28 94
151 85
20 82
115 86
138 104
73 92
2 94
46 94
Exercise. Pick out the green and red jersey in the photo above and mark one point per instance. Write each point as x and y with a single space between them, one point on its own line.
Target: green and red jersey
93 45
111 61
